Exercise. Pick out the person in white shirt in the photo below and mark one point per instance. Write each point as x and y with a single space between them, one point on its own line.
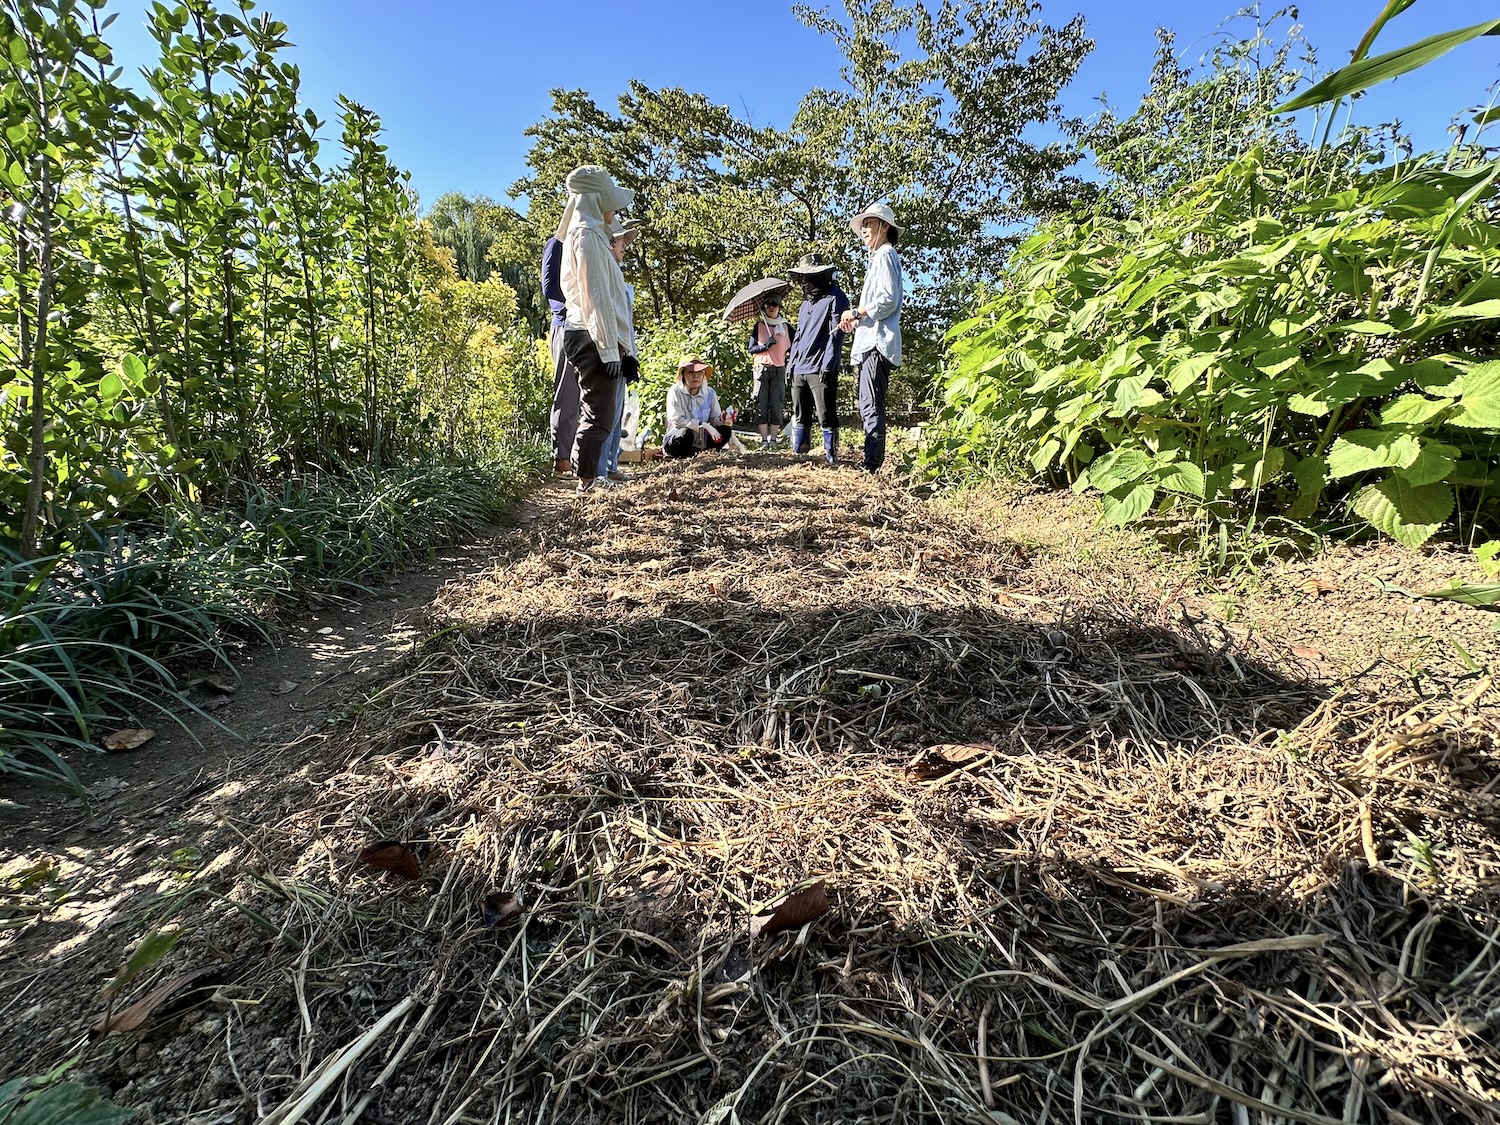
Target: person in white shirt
695 421
597 337
876 324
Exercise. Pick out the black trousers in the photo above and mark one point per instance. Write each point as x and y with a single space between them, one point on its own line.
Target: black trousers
596 394
685 444
815 397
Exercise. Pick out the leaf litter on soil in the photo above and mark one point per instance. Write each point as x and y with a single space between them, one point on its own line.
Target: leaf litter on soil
1152 869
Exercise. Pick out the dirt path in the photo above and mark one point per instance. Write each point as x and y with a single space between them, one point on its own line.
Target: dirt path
998 768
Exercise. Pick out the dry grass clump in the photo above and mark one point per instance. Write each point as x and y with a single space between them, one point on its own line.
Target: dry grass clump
1081 864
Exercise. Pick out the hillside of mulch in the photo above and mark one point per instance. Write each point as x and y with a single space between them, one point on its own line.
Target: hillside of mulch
759 792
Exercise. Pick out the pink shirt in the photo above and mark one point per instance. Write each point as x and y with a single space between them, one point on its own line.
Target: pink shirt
781 343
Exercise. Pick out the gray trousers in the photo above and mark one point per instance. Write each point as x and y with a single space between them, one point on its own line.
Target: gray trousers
565 398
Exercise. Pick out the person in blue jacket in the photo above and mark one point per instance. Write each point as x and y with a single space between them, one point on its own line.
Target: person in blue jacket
813 362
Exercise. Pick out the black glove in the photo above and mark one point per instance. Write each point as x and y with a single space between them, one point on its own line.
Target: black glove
612 369
630 367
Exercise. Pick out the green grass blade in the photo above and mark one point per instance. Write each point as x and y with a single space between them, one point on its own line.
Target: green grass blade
1370 72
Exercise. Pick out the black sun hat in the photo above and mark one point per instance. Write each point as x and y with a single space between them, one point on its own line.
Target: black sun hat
810 265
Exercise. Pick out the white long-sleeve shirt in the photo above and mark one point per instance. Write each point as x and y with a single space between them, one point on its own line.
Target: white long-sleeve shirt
686 410
881 298
594 287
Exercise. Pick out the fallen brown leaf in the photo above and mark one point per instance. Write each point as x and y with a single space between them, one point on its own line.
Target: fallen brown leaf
393 856
499 907
128 1019
674 495
1316 586
798 908
216 702
935 761
128 739
284 686
1311 654
213 683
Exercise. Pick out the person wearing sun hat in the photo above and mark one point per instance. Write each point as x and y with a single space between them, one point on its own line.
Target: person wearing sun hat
813 361
695 421
876 324
597 335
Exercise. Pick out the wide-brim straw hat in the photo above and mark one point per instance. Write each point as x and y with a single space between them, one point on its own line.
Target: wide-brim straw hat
876 211
688 362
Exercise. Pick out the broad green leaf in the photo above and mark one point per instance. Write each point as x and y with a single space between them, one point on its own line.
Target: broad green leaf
1135 503
1433 464
68 1103
1118 468
1361 450
1189 371
1489 115
1446 317
1407 513
133 367
1479 397
111 387
1259 470
1481 596
1182 476
1310 473
1413 410
1487 555
1043 456
1369 72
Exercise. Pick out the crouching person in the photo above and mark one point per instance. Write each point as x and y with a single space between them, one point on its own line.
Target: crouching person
695 421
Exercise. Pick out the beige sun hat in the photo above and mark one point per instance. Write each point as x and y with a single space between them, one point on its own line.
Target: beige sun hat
628 231
688 362
592 192
876 211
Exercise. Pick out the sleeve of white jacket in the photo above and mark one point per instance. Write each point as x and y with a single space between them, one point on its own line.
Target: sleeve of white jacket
599 315
678 415
882 295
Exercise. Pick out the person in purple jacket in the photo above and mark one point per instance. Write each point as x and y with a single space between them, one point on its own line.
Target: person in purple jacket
565 399
813 362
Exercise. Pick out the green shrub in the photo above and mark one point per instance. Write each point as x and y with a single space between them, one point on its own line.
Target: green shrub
1257 340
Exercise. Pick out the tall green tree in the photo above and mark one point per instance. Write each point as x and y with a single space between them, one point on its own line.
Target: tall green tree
934 110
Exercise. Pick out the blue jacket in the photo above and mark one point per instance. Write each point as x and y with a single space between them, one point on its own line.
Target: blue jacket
552 281
818 345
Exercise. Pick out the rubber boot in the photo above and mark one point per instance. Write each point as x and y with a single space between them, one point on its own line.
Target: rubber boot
830 447
799 439
874 452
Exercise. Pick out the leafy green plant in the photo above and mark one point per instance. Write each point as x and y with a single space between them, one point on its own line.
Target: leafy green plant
1252 340
43 1100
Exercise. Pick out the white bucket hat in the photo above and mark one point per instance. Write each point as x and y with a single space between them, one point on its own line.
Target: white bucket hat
876 211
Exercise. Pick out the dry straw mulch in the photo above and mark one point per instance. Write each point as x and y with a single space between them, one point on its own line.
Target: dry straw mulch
1083 860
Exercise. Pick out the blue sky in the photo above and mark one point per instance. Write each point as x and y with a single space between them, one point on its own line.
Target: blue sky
456 82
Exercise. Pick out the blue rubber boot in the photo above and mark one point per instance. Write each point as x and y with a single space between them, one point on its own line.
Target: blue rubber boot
830 447
799 439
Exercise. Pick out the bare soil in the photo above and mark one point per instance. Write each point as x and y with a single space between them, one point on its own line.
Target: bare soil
996 775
